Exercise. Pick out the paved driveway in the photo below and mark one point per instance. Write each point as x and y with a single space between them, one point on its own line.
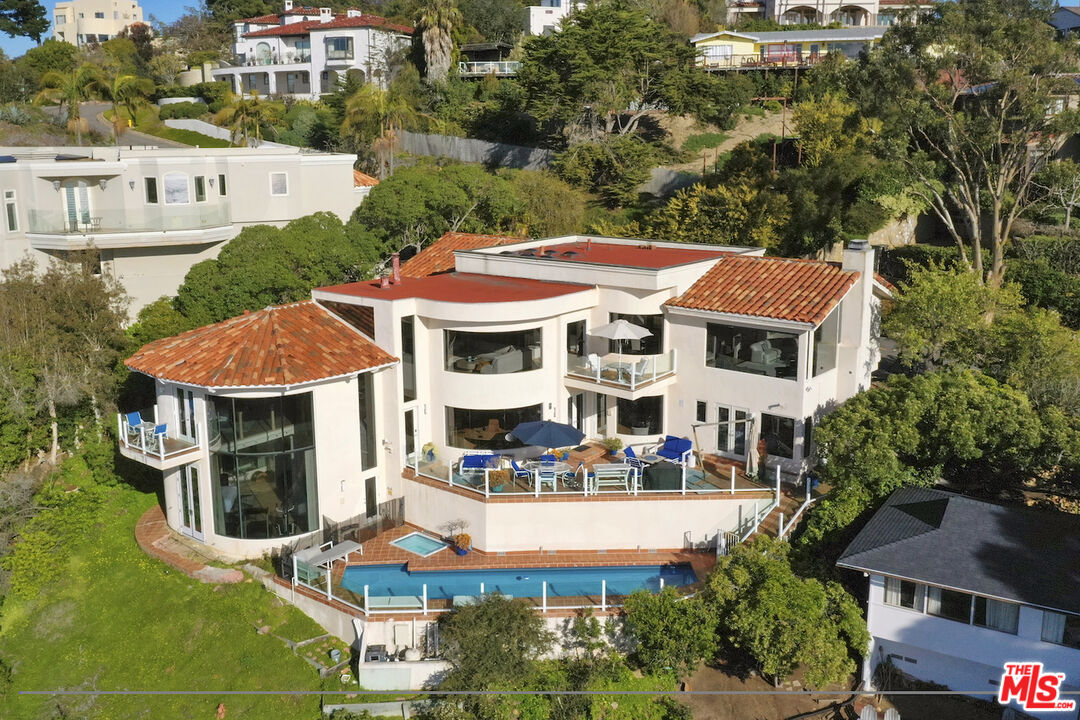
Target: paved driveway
92 111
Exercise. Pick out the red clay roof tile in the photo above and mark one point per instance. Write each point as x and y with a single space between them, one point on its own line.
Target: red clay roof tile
306 27
363 179
274 347
778 288
439 256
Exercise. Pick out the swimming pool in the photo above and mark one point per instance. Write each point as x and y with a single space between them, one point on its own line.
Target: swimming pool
419 543
396 580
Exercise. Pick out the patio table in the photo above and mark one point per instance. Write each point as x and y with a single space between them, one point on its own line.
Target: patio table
559 468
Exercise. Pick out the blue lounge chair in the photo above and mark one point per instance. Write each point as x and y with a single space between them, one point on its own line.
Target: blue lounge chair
520 473
633 461
675 449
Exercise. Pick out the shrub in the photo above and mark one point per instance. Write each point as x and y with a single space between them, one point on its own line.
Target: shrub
614 169
182 110
15 115
700 141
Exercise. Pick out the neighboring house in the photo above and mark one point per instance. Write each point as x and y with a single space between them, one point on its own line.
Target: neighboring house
1066 20
727 49
303 51
545 17
797 12
959 587
81 22
362 184
154 212
480 59
397 382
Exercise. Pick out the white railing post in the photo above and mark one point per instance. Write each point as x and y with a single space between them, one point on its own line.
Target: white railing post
120 429
329 592
603 595
481 589
684 478
294 570
367 605
543 590
756 512
780 528
661 584
155 414
450 474
536 482
808 489
487 482
732 479
777 484
424 598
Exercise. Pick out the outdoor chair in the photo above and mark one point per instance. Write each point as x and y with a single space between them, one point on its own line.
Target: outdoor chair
136 426
520 473
631 459
546 475
592 363
675 449
158 443
638 370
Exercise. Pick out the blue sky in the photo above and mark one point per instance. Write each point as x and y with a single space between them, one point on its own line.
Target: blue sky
164 10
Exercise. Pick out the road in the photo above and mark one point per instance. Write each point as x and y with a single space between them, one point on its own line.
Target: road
92 111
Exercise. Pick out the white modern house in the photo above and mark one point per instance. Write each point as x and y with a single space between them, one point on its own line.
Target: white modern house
858 13
545 17
959 587
81 22
303 51
271 425
151 212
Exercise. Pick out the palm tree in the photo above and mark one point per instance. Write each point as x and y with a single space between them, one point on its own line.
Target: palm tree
436 20
245 116
373 116
71 88
129 91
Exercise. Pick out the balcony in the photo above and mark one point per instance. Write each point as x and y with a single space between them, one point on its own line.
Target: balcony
291 57
142 227
759 61
614 372
146 441
500 68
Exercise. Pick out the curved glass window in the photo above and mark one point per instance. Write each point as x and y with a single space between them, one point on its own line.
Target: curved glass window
263 461
487 429
644 416
492 353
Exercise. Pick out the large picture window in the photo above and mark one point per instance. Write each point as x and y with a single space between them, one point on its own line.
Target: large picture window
493 353
826 340
644 416
948 604
487 429
652 345
1061 629
996 615
752 350
263 460
365 383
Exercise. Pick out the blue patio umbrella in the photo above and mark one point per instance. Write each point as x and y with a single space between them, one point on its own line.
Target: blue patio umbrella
547 433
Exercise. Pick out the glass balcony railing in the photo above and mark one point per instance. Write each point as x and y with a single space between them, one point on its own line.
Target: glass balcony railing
499 67
144 220
628 371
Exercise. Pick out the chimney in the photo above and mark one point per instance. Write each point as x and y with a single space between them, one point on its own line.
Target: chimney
859 256
288 5
326 14
396 264
353 12
384 282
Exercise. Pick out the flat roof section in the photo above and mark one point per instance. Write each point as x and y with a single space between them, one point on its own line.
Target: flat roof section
459 288
645 255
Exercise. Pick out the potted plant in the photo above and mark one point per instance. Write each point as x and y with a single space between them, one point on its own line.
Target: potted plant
612 444
463 543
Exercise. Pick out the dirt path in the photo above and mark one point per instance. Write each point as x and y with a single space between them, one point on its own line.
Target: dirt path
749 707
747 129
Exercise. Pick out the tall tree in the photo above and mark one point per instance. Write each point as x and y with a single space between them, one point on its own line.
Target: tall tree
436 21
129 91
373 117
23 18
72 88
967 95
496 20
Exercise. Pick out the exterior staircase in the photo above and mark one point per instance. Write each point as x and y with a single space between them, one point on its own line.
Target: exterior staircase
771 524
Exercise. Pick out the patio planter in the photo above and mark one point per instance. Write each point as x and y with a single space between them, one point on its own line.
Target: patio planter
461 551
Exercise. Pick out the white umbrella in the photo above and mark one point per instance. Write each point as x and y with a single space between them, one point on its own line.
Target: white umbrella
621 330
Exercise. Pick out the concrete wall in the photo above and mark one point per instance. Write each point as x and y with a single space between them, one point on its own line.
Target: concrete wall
568 524
477 151
211 130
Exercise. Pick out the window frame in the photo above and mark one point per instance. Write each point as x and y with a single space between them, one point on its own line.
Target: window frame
985 601
222 192
200 188
283 174
941 593
148 183
11 211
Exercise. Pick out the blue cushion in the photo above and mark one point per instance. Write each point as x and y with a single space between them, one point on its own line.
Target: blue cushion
474 462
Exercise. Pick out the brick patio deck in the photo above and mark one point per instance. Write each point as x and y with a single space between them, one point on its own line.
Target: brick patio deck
158 540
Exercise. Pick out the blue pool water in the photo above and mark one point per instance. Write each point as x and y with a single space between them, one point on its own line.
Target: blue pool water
519 582
420 544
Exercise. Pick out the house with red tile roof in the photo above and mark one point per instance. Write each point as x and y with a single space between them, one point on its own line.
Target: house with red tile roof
303 52
423 387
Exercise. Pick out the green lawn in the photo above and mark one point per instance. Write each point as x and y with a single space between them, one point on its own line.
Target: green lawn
117 619
700 141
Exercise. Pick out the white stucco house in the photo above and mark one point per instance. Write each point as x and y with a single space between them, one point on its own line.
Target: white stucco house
83 22
959 587
152 213
301 52
848 13
276 423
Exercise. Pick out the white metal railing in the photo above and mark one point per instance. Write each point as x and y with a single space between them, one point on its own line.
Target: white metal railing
782 530
758 60
148 438
629 371
499 67
760 513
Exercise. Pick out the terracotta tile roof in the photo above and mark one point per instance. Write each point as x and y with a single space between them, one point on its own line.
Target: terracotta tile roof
261 20
306 27
277 346
778 288
438 257
360 179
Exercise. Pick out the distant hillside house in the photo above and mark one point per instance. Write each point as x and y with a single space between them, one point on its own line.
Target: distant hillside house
959 587
796 12
730 50
81 22
302 52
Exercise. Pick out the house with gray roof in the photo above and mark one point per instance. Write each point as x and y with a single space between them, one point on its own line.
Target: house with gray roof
959 587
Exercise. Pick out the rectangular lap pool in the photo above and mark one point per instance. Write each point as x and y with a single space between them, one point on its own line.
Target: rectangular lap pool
419 543
395 580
